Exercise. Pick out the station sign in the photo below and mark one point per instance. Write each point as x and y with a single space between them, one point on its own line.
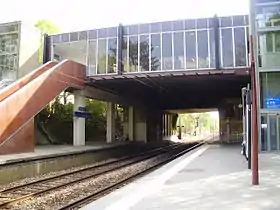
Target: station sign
82 113
273 103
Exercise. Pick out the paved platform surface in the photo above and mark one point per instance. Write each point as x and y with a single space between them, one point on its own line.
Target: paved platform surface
214 177
55 150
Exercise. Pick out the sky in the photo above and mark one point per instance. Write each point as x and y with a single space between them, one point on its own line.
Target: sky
71 15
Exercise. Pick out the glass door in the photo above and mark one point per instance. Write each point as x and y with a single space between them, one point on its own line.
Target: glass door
272 132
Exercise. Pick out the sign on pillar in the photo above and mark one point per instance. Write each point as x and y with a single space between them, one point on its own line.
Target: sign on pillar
79 115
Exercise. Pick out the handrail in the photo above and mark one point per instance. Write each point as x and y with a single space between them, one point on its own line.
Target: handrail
17 85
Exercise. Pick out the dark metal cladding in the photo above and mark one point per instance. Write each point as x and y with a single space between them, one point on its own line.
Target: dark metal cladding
120 49
46 48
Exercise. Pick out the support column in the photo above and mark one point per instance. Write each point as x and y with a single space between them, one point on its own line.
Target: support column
110 122
131 123
79 127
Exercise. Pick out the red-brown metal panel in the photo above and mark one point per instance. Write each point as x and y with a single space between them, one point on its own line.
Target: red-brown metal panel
21 104
25 80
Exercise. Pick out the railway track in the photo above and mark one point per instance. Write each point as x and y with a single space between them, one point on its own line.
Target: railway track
95 195
31 190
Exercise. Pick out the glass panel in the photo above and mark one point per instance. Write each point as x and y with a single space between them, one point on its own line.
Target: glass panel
240 47
278 132
227 52
93 34
144 53
92 58
73 37
266 1
270 86
155 52
125 30
112 32
268 16
112 55
201 23
65 37
202 42
178 25
76 51
263 133
133 29
144 28
102 33
155 27
212 49
56 38
273 132
124 54
82 35
238 20
166 26
190 24
133 53
101 68
269 49
179 61
191 50
225 21
167 51
8 28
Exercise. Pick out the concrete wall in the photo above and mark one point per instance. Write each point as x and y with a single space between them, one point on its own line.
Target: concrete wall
30 42
231 127
154 125
140 127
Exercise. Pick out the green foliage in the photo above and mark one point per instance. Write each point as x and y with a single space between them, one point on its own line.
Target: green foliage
47 26
57 119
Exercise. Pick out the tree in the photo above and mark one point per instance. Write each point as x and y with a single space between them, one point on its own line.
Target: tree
46 27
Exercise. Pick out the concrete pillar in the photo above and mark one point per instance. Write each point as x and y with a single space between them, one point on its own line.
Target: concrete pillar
166 124
79 127
169 125
140 133
163 125
131 123
110 122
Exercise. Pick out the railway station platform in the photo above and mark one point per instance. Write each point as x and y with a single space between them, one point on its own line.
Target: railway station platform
210 177
51 151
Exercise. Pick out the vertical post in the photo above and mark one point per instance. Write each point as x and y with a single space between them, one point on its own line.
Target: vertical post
255 149
79 122
46 48
217 41
180 128
131 123
120 49
110 122
249 130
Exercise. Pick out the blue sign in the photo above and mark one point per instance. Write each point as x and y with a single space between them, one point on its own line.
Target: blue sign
82 109
273 103
82 114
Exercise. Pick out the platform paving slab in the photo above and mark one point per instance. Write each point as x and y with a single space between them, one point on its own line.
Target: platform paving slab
217 179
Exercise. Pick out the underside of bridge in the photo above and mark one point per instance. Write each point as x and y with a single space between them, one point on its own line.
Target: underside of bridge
177 90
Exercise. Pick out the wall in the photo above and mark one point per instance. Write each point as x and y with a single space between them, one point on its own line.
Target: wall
230 114
30 42
140 127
